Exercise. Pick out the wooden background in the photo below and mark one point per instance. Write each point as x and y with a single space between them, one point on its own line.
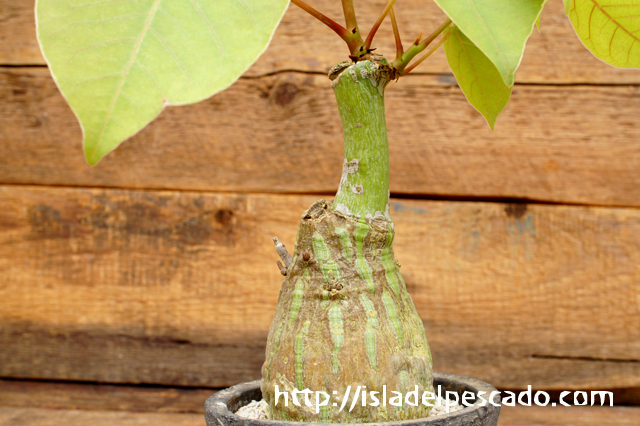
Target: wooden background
520 247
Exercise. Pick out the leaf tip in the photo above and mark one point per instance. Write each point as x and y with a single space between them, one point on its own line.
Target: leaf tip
90 156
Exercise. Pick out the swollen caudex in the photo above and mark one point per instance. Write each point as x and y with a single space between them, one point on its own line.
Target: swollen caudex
344 318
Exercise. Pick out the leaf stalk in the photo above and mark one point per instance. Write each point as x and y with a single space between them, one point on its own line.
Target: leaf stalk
396 34
374 29
401 63
337 28
419 61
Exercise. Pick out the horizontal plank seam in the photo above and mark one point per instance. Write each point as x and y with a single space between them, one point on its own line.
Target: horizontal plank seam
503 200
413 74
330 195
23 65
585 358
94 383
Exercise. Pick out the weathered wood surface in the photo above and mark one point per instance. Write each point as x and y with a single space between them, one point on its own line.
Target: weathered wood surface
10 416
553 56
574 416
510 416
179 288
570 144
76 396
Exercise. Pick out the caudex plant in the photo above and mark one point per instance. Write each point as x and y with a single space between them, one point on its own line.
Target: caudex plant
344 317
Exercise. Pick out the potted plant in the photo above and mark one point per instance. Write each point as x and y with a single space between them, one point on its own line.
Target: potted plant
344 319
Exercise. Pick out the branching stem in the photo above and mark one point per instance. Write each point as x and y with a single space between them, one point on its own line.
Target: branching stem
337 28
350 15
415 49
354 39
419 61
374 29
396 35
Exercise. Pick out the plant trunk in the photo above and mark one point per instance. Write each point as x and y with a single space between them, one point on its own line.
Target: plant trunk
344 317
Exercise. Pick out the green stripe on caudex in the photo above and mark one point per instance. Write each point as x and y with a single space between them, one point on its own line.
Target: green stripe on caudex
370 345
370 331
389 263
363 268
296 299
330 270
392 314
299 354
345 240
336 326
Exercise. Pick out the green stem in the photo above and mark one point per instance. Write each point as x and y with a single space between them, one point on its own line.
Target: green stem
353 38
364 187
419 61
400 63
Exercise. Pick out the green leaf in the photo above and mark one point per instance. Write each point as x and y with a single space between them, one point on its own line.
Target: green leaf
120 62
610 29
477 76
499 28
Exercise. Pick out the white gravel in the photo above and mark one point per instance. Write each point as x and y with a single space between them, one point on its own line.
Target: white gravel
258 410
254 410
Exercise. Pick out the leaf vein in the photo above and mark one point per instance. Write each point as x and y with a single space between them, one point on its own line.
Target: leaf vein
99 21
489 34
195 3
93 46
143 33
596 4
175 57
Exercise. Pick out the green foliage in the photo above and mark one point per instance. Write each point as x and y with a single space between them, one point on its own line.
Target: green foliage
477 76
499 29
119 63
610 29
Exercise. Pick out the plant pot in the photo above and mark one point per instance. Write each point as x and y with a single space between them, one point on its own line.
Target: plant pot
220 407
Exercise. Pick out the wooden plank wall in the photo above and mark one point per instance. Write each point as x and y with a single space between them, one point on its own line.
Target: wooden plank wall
520 247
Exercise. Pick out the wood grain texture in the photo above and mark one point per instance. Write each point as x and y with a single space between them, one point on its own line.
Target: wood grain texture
573 144
574 416
509 416
10 416
553 56
76 396
179 288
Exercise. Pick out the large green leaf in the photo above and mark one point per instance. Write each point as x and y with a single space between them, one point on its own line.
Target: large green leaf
500 28
610 29
477 76
120 62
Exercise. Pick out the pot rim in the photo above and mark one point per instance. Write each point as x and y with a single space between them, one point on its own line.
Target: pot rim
217 405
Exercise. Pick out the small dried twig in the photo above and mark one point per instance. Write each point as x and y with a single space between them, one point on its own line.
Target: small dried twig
282 252
283 270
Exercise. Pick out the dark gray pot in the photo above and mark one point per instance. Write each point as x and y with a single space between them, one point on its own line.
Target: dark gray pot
219 408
